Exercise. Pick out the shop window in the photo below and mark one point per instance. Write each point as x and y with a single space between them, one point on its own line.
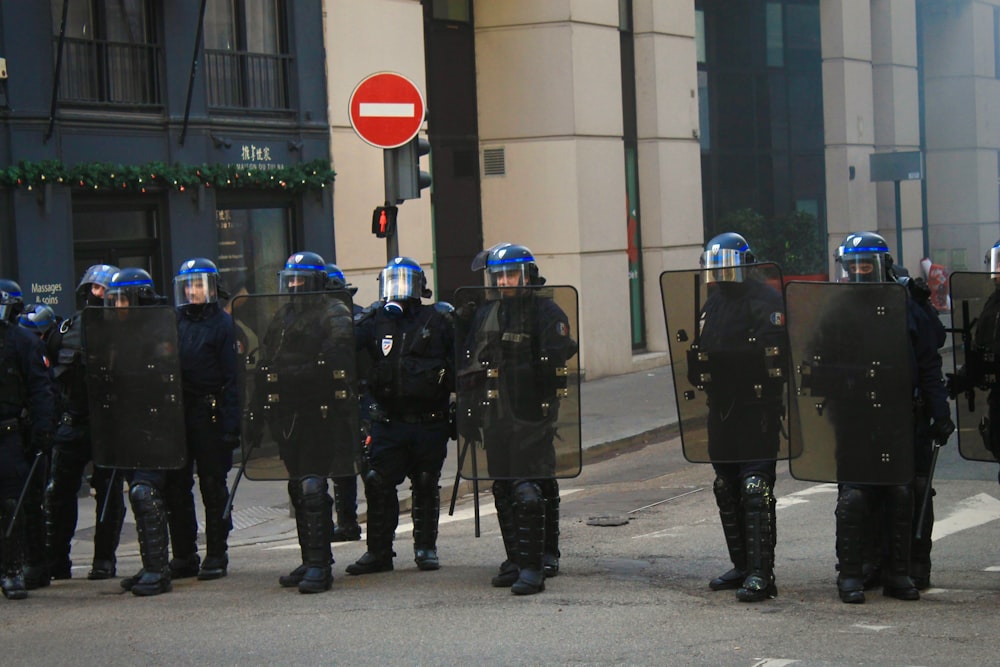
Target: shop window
110 53
253 247
246 55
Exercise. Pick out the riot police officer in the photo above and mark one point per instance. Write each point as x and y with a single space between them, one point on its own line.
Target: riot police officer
864 257
308 332
207 347
72 447
345 489
411 348
25 389
128 288
742 317
524 338
38 319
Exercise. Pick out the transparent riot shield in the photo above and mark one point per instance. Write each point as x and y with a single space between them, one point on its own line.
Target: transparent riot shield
730 370
134 387
518 383
851 382
975 311
300 389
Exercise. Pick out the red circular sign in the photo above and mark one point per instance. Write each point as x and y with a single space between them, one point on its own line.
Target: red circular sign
387 110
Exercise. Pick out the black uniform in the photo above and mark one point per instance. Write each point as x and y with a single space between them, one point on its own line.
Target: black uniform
71 452
740 320
525 338
987 339
345 489
26 389
299 336
411 379
207 347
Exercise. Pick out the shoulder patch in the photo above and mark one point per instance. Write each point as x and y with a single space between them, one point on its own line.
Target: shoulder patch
778 318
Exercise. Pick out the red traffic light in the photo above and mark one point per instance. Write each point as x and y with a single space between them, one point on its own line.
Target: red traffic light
384 221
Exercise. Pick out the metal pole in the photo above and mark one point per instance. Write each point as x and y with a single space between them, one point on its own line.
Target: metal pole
389 162
899 224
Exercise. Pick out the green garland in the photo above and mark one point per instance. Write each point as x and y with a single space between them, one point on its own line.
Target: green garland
107 177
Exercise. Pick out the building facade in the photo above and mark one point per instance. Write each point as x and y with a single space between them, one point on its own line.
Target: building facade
611 137
143 133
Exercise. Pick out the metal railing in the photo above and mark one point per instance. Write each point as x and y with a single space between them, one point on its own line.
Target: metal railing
241 80
111 73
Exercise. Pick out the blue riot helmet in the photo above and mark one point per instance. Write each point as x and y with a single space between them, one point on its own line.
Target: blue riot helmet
196 283
95 280
130 287
993 258
864 257
10 306
724 257
15 301
508 263
303 272
335 279
401 280
37 318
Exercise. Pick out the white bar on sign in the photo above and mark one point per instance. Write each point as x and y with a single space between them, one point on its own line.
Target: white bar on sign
386 109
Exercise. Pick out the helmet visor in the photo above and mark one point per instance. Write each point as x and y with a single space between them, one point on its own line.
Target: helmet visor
862 267
507 275
399 282
993 259
722 265
291 281
191 289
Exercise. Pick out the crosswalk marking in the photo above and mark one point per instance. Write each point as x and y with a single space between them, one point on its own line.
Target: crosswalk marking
969 513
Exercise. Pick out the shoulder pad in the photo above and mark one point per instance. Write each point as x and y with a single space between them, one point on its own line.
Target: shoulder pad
444 307
368 312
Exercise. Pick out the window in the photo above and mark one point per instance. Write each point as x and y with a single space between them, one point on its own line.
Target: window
109 52
253 247
246 55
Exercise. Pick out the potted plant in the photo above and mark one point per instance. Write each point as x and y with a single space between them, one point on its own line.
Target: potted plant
793 241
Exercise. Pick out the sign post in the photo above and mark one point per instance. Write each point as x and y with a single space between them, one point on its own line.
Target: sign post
387 111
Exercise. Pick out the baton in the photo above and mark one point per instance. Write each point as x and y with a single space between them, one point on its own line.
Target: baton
236 482
24 492
926 501
107 494
469 444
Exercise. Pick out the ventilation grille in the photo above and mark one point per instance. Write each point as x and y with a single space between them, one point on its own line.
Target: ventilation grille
494 162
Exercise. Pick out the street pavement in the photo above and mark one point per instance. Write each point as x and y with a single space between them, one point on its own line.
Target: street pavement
617 412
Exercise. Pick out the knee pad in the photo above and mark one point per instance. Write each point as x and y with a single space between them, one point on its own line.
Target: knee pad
756 492
141 494
549 487
528 494
426 482
313 485
725 487
852 503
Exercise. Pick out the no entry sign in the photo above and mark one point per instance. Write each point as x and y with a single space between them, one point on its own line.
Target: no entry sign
387 110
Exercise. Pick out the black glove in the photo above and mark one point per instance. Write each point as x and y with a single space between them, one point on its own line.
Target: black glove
919 289
941 429
42 442
232 440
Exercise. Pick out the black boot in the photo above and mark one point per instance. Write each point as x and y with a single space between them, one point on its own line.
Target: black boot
550 559
508 572
529 519
151 525
345 500
183 523
896 582
425 511
850 513
215 495
108 529
292 579
727 497
13 548
383 517
317 510
759 517
920 549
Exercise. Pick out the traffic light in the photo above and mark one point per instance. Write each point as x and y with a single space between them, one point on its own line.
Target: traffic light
384 221
409 179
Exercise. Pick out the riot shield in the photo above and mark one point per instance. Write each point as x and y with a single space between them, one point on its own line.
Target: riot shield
300 388
851 382
134 387
735 376
518 383
975 307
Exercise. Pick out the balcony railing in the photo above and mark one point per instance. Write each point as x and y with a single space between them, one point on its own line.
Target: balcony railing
111 73
241 80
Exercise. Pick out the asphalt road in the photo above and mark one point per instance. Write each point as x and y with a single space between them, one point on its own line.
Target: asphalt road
640 539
